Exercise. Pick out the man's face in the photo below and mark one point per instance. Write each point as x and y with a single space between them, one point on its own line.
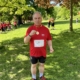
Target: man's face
37 19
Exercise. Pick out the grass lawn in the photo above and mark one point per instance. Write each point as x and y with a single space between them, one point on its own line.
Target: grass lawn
63 64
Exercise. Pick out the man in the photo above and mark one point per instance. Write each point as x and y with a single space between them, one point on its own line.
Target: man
49 23
38 35
52 24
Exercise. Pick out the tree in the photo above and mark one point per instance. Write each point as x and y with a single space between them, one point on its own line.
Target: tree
45 3
14 7
63 13
71 15
67 3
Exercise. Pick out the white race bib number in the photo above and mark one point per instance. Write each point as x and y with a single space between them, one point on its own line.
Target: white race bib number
38 43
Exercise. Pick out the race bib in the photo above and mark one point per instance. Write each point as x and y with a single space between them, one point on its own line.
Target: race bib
38 43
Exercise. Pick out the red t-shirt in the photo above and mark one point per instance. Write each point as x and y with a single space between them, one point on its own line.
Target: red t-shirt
8 25
38 41
15 23
4 25
0 25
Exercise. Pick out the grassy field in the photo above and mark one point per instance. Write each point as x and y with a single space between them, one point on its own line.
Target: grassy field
63 64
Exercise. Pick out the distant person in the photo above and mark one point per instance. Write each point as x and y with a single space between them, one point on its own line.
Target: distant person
4 26
76 20
15 24
38 36
52 24
49 23
0 25
8 24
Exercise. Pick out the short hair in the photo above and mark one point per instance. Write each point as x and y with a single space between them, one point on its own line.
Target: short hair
36 13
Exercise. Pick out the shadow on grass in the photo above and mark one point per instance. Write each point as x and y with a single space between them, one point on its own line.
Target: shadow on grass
63 64
14 60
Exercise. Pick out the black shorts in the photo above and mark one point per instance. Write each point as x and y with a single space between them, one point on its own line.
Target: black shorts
52 24
34 60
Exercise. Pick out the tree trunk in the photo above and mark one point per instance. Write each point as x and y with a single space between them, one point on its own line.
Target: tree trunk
19 19
71 15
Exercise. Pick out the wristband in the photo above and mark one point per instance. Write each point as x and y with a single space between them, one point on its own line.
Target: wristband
29 35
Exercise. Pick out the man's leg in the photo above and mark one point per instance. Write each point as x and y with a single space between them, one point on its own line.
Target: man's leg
33 70
41 69
34 61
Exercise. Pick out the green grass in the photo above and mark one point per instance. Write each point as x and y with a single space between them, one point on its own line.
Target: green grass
63 64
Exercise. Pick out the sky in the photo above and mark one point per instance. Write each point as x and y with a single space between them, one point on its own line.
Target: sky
52 2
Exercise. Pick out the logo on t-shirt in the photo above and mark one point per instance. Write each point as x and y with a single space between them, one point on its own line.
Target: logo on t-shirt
42 34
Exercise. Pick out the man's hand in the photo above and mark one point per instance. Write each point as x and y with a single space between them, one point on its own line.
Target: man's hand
27 38
51 50
32 32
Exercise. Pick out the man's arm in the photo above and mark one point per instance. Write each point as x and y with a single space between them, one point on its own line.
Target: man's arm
50 46
28 37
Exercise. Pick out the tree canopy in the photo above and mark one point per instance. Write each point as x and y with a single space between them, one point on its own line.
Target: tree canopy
50 3
14 7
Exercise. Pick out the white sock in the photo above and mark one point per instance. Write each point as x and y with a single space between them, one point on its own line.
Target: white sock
41 74
33 76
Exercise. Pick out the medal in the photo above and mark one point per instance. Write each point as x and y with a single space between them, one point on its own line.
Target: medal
37 32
